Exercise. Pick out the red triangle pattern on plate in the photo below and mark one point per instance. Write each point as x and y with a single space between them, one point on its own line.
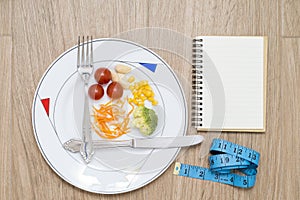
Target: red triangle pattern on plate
46 103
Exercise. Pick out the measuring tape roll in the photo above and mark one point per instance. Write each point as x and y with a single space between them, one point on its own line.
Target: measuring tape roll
226 157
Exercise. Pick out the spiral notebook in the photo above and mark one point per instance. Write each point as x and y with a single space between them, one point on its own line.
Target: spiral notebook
229 83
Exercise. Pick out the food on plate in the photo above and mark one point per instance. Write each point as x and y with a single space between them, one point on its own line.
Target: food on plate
111 120
125 84
145 119
122 69
96 91
102 75
114 90
141 92
131 79
120 78
115 77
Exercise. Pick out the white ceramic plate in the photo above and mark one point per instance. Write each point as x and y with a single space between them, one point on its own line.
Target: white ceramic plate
58 100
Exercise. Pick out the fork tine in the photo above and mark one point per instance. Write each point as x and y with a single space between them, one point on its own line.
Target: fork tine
87 52
82 53
78 52
91 57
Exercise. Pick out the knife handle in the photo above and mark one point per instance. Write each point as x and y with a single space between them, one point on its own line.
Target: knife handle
75 145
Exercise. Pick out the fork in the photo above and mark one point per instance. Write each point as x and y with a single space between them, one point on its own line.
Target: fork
85 70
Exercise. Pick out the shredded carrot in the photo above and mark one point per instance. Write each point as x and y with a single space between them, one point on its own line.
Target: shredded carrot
107 117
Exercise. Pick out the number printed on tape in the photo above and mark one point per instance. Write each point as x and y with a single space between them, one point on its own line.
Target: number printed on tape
226 157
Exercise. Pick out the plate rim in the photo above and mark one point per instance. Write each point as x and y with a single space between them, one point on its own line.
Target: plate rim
37 96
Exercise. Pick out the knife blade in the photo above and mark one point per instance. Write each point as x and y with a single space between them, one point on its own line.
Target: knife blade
73 145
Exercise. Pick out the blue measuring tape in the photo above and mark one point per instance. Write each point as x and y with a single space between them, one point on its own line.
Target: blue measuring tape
226 156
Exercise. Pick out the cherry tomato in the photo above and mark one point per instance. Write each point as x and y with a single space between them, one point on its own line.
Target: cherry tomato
102 75
96 91
114 90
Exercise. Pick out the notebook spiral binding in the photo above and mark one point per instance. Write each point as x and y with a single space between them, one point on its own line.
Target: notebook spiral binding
197 82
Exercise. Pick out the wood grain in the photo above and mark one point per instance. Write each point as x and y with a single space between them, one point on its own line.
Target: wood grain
290 113
290 18
5 17
36 32
5 117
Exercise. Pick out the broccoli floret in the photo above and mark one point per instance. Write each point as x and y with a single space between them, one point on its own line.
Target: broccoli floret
145 119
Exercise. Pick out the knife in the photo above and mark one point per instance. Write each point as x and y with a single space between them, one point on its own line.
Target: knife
73 145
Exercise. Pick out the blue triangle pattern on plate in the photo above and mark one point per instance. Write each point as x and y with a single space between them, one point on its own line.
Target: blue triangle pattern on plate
150 66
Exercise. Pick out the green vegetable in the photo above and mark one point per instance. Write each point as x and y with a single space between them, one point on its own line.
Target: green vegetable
145 119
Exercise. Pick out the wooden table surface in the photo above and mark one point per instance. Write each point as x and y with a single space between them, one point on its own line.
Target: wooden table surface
34 33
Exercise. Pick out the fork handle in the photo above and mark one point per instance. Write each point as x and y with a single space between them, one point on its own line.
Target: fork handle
86 148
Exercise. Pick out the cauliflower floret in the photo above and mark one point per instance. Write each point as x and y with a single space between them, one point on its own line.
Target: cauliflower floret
145 119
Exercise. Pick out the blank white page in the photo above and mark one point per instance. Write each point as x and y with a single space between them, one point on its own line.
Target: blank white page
234 83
